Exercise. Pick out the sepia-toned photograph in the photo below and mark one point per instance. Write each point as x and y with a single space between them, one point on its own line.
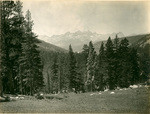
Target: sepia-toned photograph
74 56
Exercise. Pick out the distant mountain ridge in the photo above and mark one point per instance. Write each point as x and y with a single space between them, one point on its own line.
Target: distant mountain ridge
77 39
136 41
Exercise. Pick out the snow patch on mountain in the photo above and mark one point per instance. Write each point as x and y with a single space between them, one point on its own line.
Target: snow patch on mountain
77 39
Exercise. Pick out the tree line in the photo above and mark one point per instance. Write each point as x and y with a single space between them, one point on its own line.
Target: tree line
117 64
21 66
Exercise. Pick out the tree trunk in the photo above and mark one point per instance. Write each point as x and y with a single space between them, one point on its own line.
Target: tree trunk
48 80
60 73
91 86
1 86
31 87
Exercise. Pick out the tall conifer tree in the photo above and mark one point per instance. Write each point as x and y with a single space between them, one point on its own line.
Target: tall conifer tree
31 66
134 68
55 78
17 31
101 73
110 62
7 9
90 67
74 75
124 75
116 59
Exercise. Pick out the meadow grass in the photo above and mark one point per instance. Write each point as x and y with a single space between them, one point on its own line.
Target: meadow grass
125 101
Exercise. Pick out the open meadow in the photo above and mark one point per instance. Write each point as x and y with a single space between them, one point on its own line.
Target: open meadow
124 100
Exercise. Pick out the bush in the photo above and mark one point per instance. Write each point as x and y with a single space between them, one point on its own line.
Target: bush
39 96
7 98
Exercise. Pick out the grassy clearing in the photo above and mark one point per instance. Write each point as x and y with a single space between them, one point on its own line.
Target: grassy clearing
130 100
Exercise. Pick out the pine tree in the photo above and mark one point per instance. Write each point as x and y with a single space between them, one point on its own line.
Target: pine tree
101 73
82 60
64 79
74 76
90 67
134 68
144 62
55 78
7 7
12 37
72 64
17 31
116 44
110 62
124 75
85 50
30 62
63 72
116 59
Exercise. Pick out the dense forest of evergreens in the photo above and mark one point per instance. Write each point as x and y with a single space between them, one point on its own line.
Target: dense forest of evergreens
23 65
117 64
21 68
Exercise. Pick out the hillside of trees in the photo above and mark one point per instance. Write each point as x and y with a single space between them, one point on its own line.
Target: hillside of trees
133 40
44 46
27 66
117 64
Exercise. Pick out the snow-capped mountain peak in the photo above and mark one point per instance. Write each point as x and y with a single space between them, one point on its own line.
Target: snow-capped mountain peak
77 39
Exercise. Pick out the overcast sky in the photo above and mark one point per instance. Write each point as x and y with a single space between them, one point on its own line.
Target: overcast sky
53 18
